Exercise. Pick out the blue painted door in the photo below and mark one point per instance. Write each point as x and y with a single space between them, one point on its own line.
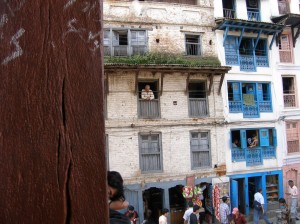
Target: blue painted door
234 194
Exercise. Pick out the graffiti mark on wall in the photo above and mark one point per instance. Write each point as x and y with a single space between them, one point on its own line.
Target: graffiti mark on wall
18 51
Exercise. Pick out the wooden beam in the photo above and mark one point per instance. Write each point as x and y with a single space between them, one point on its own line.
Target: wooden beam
162 83
241 37
187 83
225 35
211 81
221 83
136 83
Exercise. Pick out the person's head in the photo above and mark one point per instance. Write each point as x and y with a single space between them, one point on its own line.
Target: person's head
115 186
259 190
253 136
236 141
196 208
190 204
282 201
165 211
235 211
131 208
147 88
224 199
291 183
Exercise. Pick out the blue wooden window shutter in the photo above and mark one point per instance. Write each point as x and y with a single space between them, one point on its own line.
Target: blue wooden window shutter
264 137
274 137
243 139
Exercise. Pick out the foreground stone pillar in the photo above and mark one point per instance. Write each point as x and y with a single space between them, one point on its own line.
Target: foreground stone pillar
52 154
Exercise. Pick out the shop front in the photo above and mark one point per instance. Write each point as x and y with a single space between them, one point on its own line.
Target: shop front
244 186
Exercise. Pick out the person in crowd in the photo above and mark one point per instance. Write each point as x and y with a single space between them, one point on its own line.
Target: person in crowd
237 217
194 217
116 198
147 93
259 209
224 211
131 211
254 142
163 218
188 212
293 193
285 212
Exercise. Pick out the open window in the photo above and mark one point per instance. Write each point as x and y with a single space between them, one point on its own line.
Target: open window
229 9
197 99
289 91
193 44
236 139
253 10
148 99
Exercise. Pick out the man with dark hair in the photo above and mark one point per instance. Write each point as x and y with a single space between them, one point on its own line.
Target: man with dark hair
224 211
134 214
260 210
293 193
116 198
194 217
163 218
188 212
285 212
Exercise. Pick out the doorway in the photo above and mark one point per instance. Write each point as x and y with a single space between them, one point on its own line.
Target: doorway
254 184
153 204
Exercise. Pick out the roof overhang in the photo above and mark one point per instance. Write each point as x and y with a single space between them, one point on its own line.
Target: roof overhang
245 26
210 71
290 20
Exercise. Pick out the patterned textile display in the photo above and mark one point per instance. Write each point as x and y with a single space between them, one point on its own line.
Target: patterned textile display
216 200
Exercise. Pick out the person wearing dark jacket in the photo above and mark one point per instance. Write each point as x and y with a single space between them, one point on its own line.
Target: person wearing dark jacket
116 198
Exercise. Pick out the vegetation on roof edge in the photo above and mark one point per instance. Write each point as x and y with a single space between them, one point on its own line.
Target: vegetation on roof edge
164 58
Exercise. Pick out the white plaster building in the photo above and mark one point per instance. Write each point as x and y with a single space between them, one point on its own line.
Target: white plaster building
249 41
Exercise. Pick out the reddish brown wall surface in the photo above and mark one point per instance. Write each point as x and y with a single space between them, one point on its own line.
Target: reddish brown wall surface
52 157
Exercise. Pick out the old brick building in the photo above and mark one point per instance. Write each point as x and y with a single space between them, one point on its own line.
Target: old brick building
158 144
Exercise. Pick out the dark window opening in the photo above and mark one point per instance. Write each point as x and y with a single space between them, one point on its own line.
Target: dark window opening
236 139
197 90
193 46
246 47
288 85
228 4
123 39
261 47
177 201
153 87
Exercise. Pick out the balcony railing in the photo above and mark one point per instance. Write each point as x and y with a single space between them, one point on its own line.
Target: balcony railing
125 50
283 7
148 108
289 100
193 49
251 111
198 107
229 13
286 56
253 156
247 63
253 14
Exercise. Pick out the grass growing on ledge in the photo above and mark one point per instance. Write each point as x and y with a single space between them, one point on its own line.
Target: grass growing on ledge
164 58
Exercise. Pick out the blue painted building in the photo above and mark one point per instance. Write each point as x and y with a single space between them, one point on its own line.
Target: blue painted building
247 41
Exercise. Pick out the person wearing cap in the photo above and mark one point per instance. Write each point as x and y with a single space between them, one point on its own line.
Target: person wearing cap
224 211
135 216
237 217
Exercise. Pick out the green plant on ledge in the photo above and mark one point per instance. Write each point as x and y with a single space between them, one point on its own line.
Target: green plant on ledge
163 58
